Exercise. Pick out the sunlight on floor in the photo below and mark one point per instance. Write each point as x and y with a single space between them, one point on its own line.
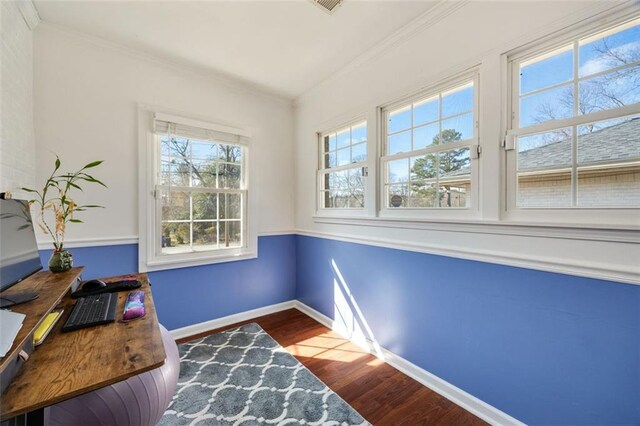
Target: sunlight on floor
327 346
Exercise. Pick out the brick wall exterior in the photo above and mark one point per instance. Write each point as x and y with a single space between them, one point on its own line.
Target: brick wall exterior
17 143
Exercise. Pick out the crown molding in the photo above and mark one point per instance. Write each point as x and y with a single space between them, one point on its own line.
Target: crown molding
180 66
427 19
29 13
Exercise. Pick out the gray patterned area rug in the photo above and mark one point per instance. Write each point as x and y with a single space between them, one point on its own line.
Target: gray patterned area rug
244 377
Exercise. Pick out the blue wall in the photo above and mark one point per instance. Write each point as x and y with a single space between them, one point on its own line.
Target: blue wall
192 295
545 348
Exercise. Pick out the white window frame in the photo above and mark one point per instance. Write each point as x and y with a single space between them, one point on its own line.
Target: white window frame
150 254
363 166
433 213
585 215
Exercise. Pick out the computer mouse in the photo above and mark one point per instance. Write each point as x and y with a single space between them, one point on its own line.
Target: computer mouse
93 285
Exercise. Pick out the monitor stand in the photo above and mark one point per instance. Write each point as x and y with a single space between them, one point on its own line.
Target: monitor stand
16 299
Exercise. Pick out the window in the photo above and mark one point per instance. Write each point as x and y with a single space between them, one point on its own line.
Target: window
430 143
342 170
199 202
575 131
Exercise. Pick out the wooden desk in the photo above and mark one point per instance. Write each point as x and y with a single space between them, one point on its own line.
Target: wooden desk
69 364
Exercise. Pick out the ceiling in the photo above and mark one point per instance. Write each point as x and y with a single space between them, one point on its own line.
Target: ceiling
285 47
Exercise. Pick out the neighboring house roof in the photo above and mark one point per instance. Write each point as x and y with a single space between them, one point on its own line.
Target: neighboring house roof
618 142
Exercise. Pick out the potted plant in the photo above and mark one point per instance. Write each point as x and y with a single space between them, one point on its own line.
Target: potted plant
55 198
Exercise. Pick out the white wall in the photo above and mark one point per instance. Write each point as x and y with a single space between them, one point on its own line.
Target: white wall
17 147
477 33
86 98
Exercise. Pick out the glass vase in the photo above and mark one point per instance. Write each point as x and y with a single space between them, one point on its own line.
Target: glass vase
60 261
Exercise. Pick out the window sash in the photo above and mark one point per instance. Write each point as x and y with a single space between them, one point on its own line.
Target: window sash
160 188
321 176
160 220
470 79
323 170
514 132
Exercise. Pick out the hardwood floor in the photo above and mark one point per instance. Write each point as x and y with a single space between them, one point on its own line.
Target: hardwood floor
382 394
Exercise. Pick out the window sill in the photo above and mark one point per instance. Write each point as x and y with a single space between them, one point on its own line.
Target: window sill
590 232
169 262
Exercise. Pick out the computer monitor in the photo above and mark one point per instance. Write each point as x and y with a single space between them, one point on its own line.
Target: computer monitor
19 256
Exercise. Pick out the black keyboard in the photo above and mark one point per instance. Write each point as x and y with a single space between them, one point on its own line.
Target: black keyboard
92 310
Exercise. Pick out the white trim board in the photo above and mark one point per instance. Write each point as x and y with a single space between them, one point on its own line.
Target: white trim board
194 329
603 271
127 239
456 395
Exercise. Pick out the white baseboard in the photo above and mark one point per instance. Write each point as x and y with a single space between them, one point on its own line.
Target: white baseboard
456 395
194 329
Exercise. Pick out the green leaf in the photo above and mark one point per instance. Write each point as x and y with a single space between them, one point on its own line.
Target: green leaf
93 164
90 206
29 190
57 162
75 221
74 185
89 178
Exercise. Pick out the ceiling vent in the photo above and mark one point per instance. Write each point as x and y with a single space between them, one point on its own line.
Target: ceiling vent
327 5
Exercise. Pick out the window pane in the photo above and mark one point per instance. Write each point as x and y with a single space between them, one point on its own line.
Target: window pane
164 146
457 128
332 143
423 168
609 153
425 111
399 119
398 170
359 152
609 141
230 234
205 236
204 150
455 194
359 133
230 153
203 173
175 205
397 195
555 69
344 138
400 142
552 149
230 206
607 186
339 199
344 156
611 50
173 173
330 160
547 188
423 195
550 105
612 90
454 166
229 176
176 237
426 136
205 206
177 148
457 101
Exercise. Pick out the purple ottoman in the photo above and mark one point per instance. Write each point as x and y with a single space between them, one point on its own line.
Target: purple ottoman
139 400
